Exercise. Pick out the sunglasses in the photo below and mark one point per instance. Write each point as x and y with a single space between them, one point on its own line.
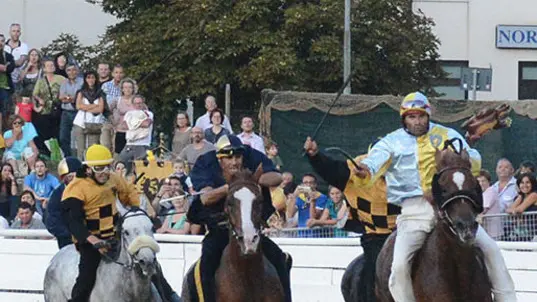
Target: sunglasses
100 169
415 104
17 123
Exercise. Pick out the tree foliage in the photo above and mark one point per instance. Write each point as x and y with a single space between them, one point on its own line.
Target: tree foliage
193 47
70 45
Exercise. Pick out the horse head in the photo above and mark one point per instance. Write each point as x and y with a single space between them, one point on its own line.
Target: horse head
244 206
138 245
456 192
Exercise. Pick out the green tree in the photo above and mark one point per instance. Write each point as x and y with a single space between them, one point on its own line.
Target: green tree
70 45
192 47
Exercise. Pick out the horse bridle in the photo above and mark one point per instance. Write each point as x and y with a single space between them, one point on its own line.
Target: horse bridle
469 195
119 230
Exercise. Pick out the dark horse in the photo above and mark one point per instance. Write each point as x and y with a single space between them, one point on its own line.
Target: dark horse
244 273
449 267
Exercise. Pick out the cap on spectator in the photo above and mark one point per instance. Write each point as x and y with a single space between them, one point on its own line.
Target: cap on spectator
98 155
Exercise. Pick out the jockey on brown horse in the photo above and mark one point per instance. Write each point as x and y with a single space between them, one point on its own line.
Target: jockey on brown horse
411 150
212 173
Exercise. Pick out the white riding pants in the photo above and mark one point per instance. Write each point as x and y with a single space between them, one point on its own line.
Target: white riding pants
413 225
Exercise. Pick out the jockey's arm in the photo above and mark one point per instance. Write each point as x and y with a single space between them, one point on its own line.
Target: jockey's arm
76 218
270 179
127 193
211 196
377 161
334 172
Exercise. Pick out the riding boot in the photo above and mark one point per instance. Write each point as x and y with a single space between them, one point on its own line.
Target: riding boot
87 272
213 246
372 245
280 262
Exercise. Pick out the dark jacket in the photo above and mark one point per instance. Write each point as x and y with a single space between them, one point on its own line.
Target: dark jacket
55 222
208 173
10 62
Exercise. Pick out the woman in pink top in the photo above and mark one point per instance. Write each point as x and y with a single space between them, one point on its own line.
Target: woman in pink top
119 108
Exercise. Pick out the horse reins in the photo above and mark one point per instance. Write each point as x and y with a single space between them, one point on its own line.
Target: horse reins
119 229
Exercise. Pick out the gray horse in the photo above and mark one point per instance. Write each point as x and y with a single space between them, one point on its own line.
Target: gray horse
127 279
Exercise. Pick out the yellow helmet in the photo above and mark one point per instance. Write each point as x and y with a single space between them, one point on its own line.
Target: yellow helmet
98 155
415 102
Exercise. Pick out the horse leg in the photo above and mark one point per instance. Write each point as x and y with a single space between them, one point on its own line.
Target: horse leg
274 255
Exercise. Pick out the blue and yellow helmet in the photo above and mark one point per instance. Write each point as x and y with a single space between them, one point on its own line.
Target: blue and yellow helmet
229 145
415 102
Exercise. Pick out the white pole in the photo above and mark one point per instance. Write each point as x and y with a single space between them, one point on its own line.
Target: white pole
347 47
474 85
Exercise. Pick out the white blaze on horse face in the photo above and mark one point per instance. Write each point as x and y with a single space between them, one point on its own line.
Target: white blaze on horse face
458 179
251 239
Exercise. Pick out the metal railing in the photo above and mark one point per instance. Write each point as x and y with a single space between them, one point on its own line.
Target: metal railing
315 232
511 227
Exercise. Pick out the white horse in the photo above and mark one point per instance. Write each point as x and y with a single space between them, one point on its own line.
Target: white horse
126 279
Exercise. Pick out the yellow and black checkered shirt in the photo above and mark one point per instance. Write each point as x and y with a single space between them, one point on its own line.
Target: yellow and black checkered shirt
99 202
367 203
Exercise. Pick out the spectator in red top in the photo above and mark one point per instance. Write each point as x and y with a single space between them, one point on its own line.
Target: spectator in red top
24 108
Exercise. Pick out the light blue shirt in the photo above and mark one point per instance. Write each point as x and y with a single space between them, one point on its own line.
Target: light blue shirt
506 196
69 88
407 156
28 134
43 187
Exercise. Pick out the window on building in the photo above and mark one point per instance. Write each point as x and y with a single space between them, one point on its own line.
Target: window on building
449 88
527 80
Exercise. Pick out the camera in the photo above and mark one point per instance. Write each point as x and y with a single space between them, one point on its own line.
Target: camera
304 189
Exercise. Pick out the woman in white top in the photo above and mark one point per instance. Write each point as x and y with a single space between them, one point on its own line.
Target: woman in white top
89 118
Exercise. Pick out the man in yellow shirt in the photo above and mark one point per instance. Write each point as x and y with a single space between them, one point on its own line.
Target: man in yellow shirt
90 205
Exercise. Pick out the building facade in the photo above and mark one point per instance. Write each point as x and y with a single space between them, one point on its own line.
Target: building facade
44 20
500 35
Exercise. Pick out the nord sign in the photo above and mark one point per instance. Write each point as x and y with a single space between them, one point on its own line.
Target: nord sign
514 36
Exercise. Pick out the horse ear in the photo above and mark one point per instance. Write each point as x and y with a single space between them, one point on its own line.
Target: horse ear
465 156
258 172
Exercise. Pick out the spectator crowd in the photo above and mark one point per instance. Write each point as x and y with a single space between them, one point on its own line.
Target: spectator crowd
43 99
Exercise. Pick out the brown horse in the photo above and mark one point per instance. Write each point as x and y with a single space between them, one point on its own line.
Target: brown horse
449 267
244 273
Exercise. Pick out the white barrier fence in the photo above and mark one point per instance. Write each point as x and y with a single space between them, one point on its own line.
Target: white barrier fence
319 264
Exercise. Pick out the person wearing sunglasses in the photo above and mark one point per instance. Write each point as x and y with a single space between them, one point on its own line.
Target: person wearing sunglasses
19 144
212 173
89 202
409 153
